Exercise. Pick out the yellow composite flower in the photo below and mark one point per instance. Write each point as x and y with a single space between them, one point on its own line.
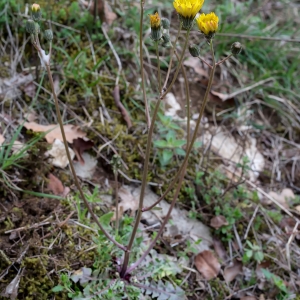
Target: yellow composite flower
155 20
208 24
35 7
188 8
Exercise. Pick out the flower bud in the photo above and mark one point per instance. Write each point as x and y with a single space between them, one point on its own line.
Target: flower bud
236 48
165 23
166 38
155 24
36 12
194 50
48 35
30 26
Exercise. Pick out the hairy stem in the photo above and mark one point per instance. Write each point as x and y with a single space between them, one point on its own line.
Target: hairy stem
37 45
158 69
184 165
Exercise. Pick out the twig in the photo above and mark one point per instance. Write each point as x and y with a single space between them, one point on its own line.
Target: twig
121 107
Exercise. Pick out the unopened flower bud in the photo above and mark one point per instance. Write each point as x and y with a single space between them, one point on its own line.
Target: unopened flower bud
166 38
236 48
36 12
165 23
30 26
194 50
48 35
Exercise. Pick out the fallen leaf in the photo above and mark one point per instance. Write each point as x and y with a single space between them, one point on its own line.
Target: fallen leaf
220 249
196 65
58 154
2 139
87 169
128 202
233 270
79 146
207 264
218 221
17 146
284 198
249 298
11 290
30 116
55 185
72 132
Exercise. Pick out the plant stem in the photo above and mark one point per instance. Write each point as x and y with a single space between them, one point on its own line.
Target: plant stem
142 67
171 59
158 69
220 62
117 201
47 64
193 138
178 67
184 165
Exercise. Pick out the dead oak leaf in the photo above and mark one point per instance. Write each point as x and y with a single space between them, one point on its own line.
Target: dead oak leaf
72 132
233 270
218 221
128 202
79 146
56 186
207 264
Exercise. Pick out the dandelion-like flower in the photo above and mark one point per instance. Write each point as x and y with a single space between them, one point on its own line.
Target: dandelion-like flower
155 24
187 10
208 24
36 12
35 7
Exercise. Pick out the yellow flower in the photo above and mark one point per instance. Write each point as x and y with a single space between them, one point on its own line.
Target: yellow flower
35 7
188 8
155 20
208 24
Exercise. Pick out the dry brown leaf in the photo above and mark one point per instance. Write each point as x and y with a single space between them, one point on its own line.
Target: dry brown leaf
249 298
2 139
58 154
79 146
194 63
233 270
128 202
30 116
218 221
72 132
207 264
220 249
55 185
284 198
87 169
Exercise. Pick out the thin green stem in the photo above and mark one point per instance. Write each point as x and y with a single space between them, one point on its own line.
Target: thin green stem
158 69
193 138
182 172
178 67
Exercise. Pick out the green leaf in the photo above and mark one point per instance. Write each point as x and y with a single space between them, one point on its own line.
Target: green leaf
167 156
160 144
179 143
180 151
58 288
105 220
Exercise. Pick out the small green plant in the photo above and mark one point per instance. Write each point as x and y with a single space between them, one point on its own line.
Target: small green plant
253 252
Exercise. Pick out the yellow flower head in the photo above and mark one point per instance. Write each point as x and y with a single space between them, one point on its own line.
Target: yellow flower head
188 8
35 7
208 24
155 20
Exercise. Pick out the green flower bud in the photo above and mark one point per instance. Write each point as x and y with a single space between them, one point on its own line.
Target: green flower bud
194 50
30 26
166 38
48 35
236 48
165 23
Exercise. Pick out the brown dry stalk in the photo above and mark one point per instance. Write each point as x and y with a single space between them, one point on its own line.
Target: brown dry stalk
121 107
